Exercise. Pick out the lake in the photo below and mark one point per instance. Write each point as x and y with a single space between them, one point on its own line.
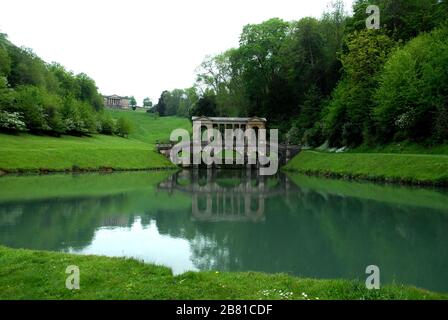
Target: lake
235 221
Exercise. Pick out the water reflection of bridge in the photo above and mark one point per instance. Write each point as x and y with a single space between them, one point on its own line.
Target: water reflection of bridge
227 195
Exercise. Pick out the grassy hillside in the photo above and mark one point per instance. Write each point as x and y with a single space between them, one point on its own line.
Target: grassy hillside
26 274
33 153
405 168
26 152
147 128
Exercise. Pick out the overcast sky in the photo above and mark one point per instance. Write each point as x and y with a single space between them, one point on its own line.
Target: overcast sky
139 47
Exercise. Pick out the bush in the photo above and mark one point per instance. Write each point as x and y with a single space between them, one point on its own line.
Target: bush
313 137
88 117
441 125
7 96
294 135
107 124
52 113
11 121
123 127
72 118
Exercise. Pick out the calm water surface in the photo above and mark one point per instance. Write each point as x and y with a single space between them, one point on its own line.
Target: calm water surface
235 221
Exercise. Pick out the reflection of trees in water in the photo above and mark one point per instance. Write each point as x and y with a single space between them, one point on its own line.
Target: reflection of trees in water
318 234
56 224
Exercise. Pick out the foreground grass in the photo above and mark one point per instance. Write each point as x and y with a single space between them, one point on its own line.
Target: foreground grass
26 152
404 168
26 274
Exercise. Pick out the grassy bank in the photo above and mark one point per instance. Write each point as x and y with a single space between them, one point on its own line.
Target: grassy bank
28 274
147 129
25 153
425 169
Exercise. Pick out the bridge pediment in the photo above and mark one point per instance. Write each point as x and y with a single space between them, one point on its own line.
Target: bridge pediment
222 120
257 119
202 120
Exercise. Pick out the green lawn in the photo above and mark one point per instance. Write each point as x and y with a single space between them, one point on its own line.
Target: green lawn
399 167
148 129
26 274
26 152
32 153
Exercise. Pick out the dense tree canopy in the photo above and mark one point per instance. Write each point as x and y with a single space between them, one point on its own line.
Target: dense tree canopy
45 98
176 102
333 80
412 99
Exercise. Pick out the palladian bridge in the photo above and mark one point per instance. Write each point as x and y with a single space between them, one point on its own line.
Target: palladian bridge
200 124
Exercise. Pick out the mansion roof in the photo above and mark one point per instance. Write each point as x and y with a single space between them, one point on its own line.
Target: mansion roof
114 96
230 119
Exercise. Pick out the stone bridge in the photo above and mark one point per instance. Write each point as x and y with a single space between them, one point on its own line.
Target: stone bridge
285 153
200 124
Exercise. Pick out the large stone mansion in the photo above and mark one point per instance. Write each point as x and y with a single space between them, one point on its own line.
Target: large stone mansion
117 102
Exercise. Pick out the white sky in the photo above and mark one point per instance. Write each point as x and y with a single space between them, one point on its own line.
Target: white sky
139 47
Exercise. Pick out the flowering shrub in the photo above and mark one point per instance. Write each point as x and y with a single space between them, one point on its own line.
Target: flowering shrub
11 121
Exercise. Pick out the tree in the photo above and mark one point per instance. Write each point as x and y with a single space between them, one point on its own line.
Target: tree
5 61
257 62
206 105
217 74
161 107
214 72
147 103
88 91
133 103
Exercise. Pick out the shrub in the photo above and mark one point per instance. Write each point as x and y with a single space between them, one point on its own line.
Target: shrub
88 117
313 137
123 127
52 113
11 121
107 124
294 135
